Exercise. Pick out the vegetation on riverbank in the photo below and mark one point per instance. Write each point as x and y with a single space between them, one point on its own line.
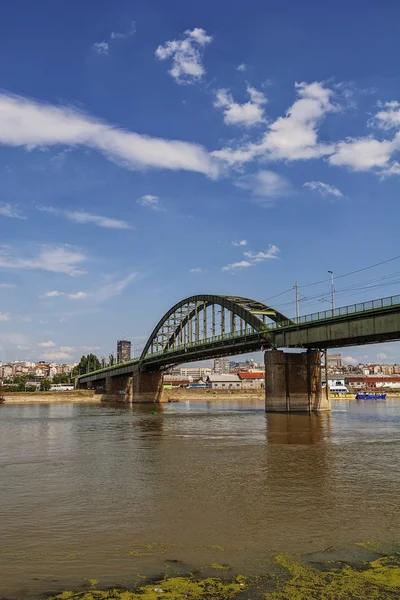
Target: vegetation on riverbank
292 580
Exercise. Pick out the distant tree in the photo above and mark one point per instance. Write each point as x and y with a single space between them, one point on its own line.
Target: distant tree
88 363
111 360
103 362
61 378
30 388
45 385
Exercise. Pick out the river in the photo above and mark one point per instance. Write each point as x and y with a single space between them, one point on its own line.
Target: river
113 491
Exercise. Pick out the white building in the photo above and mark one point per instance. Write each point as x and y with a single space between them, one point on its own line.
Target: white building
194 372
221 365
224 381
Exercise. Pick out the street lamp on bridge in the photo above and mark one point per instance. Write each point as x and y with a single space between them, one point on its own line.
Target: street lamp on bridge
332 290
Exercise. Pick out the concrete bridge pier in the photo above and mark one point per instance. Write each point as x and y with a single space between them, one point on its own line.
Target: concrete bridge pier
293 382
147 386
116 389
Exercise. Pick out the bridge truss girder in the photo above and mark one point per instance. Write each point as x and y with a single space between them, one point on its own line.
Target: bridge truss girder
199 320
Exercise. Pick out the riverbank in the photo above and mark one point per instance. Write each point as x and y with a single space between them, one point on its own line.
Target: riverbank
287 578
50 397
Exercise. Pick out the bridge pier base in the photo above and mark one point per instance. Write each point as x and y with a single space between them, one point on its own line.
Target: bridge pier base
293 382
147 387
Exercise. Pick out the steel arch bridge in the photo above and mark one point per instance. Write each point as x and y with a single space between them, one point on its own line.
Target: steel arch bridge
209 326
205 325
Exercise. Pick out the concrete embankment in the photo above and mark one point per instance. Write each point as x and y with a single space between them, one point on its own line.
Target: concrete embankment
50 397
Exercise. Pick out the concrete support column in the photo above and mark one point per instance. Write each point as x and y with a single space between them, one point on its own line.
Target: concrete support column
116 389
293 382
147 386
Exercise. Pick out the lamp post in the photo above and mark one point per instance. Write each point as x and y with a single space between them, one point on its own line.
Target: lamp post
332 290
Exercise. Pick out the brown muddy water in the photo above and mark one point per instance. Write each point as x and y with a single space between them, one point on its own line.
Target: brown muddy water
117 493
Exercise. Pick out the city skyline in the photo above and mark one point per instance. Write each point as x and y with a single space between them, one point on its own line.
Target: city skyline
160 152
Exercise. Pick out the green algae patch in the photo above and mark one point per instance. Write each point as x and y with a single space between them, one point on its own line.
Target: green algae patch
173 588
376 580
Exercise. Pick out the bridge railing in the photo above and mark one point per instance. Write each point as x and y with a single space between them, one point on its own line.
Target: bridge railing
244 333
341 311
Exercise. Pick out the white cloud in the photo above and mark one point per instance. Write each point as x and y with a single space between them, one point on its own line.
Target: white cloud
198 270
382 356
54 294
243 264
254 258
31 124
150 201
100 47
272 252
56 259
240 243
48 344
7 285
242 67
5 316
293 136
57 355
323 188
350 360
7 210
363 154
114 288
78 295
265 184
389 116
247 114
117 35
83 218
367 153
186 55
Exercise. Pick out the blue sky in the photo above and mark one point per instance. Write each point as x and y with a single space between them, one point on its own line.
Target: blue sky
141 142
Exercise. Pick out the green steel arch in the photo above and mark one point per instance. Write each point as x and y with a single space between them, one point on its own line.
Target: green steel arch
252 312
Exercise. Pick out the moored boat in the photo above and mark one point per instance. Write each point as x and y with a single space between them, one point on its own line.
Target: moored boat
370 396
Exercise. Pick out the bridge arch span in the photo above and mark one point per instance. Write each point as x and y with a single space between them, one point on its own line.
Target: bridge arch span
204 317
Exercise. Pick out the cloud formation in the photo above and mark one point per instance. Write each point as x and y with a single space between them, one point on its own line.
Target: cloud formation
293 136
5 316
150 201
8 210
240 243
323 188
265 184
100 47
253 258
30 124
247 114
56 259
186 55
83 218
242 264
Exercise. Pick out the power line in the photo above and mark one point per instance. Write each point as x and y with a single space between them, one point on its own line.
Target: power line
383 262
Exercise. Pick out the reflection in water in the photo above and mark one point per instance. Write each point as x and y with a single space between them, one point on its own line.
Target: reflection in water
106 491
297 429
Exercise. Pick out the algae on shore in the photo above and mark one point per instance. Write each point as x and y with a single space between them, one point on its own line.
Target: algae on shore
295 580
